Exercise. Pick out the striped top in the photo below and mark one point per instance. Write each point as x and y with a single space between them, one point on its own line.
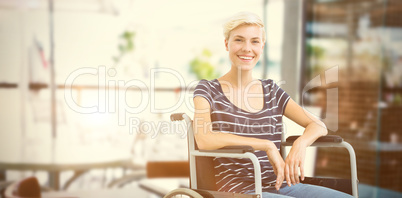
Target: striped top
237 175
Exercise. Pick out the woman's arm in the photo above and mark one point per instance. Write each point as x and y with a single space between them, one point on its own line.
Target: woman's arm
210 140
314 129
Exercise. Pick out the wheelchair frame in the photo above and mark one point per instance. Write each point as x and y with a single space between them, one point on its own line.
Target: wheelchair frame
243 152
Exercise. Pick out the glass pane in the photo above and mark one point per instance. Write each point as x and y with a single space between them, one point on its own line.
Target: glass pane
361 41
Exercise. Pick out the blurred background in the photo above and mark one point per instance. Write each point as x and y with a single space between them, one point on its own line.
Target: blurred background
88 86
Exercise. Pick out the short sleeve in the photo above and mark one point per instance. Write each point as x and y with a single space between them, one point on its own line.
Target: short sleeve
281 98
203 89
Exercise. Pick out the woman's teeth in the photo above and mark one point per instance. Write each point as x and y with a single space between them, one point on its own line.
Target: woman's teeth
246 57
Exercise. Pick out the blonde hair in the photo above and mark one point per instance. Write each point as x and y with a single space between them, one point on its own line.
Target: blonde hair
242 18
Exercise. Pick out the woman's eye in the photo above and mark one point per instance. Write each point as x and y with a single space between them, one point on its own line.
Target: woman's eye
237 40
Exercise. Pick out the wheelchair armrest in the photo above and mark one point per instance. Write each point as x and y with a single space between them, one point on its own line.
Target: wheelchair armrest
231 149
323 139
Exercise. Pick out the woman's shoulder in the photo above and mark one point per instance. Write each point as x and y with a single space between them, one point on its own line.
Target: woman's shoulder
214 81
267 82
206 89
207 83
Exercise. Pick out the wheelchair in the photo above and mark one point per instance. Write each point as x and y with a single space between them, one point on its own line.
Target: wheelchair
202 180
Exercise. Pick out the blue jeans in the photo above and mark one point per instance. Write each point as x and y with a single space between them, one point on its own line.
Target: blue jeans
303 191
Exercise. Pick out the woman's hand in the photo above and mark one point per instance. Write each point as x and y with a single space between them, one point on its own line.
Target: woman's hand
295 161
277 163
314 129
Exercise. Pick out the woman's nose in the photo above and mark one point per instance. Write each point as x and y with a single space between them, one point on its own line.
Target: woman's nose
247 47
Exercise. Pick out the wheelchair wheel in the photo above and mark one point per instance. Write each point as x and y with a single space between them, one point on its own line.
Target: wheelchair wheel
183 192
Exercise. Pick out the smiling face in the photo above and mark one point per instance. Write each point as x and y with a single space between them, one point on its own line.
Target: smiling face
245 46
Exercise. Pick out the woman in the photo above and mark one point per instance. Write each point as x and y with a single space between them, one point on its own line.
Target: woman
237 109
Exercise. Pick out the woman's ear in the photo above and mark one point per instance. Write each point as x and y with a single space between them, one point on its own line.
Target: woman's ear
226 45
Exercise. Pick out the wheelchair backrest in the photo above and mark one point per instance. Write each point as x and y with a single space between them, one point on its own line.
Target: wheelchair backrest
205 173
204 166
